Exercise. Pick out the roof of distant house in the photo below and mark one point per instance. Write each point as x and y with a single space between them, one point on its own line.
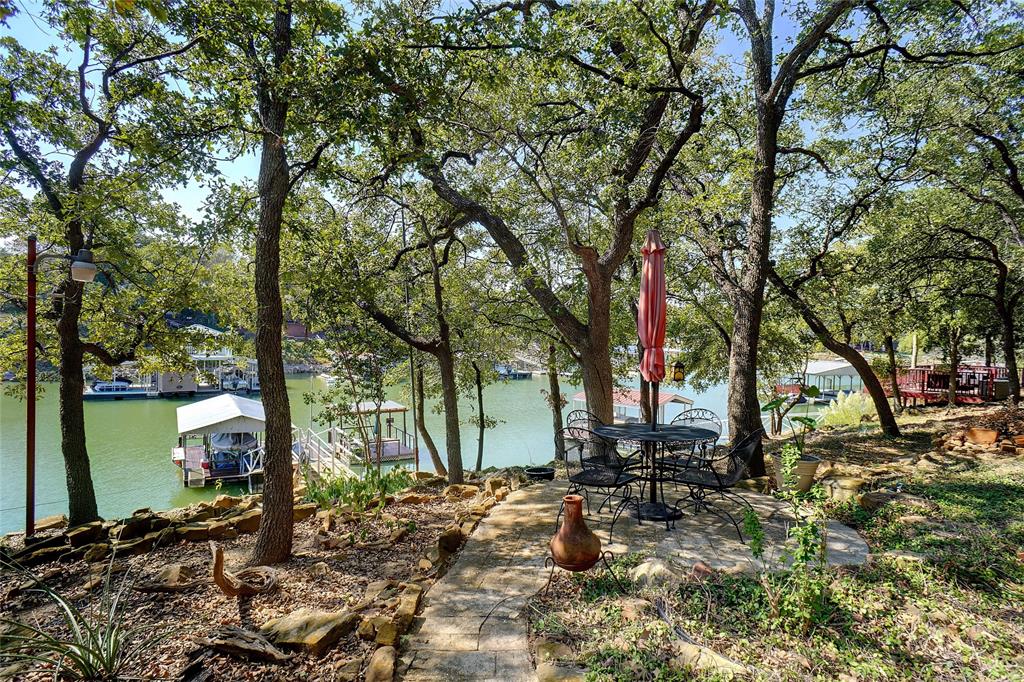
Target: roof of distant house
630 397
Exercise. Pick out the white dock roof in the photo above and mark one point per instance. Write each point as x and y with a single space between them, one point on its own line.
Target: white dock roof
830 368
222 414
369 407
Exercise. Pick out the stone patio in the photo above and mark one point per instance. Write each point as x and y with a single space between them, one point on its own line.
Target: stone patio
472 626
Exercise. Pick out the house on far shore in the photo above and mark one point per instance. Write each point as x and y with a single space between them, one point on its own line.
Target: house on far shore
627 404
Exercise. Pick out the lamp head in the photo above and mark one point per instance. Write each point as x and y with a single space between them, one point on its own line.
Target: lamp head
83 269
678 374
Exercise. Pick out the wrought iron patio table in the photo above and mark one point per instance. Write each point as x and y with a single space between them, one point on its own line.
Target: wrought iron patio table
653 441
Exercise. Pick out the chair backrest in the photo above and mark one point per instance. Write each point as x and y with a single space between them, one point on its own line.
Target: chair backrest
587 420
705 419
590 448
740 455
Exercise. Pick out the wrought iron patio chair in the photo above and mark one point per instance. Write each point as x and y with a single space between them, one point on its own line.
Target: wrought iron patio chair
583 418
691 453
602 469
719 473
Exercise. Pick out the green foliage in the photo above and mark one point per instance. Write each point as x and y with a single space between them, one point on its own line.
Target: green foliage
103 643
848 409
358 492
599 584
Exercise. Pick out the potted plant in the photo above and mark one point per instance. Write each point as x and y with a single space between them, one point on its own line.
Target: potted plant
794 467
987 428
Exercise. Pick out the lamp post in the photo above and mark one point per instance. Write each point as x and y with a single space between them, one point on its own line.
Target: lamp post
82 270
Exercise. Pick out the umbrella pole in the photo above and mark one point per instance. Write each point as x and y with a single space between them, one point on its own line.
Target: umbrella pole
654 406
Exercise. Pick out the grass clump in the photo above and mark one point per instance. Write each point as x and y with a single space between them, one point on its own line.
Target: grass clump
358 492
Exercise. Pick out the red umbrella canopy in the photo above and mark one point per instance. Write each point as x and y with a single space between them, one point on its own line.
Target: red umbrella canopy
650 318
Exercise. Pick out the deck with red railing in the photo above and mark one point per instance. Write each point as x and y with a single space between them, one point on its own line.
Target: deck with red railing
975 384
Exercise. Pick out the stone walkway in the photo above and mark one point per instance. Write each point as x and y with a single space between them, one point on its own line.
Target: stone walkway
473 626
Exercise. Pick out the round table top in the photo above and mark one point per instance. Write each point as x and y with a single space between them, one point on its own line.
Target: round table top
666 433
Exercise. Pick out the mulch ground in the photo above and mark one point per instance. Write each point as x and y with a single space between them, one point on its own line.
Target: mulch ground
315 577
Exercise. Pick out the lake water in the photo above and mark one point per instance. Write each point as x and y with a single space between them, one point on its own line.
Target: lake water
129 444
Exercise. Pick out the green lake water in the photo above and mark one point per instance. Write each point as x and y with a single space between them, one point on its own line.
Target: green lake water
129 444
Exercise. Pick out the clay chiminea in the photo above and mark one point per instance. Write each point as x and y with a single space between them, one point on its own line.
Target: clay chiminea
575 547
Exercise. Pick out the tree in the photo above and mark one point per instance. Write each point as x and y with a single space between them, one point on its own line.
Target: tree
261 69
118 121
588 111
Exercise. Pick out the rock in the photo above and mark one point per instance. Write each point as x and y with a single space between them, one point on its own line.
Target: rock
217 529
326 519
347 670
450 539
408 602
466 528
553 672
843 488
132 528
387 633
415 498
248 522
367 629
86 534
549 650
654 572
398 534
226 502
492 485
460 491
875 500
301 512
698 658
320 568
136 546
194 532
424 475
172 578
96 552
759 484
500 494
51 522
902 556
309 630
379 589
381 667
42 555
425 564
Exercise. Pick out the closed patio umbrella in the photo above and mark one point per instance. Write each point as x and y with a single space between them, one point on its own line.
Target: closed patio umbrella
650 317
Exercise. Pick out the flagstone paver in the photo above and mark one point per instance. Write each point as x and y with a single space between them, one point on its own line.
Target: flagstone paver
473 626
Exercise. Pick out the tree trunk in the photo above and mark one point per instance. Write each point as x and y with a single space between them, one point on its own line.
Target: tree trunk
597 384
886 419
418 406
81 494
894 372
1009 340
555 399
954 364
744 408
450 399
480 417
990 349
274 543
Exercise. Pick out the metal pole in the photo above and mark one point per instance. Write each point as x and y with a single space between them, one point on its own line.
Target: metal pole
30 386
654 406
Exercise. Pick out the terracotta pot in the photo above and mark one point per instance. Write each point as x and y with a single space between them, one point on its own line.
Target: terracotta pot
1018 441
980 436
575 547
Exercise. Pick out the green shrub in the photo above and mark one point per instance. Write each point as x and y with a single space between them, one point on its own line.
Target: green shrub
358 492
97 645
848 409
